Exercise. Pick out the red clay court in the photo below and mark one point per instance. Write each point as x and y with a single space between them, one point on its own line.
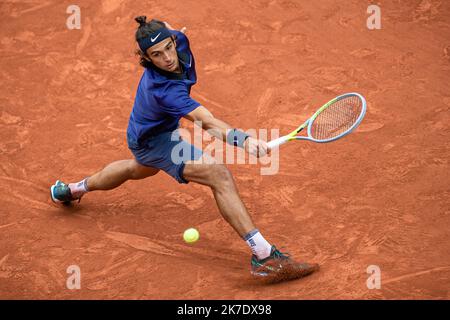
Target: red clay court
380 196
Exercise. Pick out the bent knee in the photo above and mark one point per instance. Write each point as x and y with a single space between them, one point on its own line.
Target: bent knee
220 175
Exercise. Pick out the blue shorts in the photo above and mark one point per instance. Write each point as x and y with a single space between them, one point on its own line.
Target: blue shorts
165 151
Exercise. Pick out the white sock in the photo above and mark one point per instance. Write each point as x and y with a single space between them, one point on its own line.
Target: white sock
259 246
79 188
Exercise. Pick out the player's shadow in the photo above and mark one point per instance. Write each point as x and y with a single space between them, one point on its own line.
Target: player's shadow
70 209
261 282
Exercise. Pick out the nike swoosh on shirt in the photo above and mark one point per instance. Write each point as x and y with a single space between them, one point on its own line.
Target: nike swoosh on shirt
154 39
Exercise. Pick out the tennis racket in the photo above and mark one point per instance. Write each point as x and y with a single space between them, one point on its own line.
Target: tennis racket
332 121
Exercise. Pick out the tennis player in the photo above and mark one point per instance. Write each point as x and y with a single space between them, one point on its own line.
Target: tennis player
162 99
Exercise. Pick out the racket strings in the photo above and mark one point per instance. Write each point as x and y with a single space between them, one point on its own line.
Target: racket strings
336 119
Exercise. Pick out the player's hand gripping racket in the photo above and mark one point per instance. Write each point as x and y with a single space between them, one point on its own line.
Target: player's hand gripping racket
332 121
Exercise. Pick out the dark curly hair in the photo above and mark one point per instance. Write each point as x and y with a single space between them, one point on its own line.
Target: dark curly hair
144 30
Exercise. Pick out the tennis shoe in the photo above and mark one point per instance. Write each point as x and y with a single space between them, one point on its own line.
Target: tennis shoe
280 267
60 193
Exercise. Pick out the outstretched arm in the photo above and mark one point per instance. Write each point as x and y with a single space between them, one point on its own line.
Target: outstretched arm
220 129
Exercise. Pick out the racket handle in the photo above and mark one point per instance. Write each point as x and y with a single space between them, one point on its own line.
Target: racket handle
274 143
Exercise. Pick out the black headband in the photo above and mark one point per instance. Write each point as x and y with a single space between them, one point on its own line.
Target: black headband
154 38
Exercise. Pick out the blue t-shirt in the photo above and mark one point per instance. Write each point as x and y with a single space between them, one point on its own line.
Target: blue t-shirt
162 98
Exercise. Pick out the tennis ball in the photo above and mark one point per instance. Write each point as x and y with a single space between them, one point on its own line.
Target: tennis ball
191 235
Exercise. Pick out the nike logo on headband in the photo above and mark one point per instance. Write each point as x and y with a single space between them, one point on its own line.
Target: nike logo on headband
154 39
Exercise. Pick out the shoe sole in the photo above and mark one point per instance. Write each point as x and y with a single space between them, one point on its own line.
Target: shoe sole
259 274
